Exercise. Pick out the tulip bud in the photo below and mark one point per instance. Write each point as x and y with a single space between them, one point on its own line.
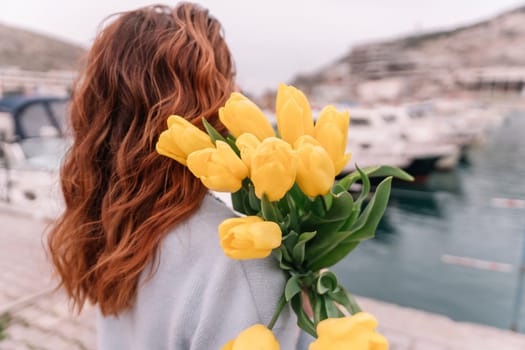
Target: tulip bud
219 168
247 144
331 130
273 168
249 237
181 139
355 332
256 337
315 170
240 115
294 115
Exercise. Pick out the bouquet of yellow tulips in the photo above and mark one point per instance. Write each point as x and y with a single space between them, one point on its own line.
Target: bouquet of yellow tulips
285 183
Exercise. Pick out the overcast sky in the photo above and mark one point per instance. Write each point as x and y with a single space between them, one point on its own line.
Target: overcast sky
271 40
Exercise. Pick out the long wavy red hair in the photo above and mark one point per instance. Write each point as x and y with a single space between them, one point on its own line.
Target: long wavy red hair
121 197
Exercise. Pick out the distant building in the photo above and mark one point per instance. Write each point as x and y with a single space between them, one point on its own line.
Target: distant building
55 82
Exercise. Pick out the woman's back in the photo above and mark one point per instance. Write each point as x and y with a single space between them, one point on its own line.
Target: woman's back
198 298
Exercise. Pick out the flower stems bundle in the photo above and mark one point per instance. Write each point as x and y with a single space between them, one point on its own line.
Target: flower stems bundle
295 209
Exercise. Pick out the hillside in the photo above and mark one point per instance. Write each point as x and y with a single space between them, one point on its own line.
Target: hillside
36 52
422 65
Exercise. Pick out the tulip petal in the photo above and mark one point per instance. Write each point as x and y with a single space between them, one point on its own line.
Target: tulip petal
315 169
181 139
191 139
222 183
331 130
256 337
219 168
198 161
228 345
294 115
273 168
355 332
247 144
227 157
166 146
240 115
228 224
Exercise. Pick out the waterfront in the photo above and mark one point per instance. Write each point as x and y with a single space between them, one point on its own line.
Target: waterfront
454 215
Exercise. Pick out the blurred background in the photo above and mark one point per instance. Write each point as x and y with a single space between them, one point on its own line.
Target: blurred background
435 88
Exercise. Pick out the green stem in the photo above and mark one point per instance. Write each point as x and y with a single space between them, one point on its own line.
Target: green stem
353 303
278 310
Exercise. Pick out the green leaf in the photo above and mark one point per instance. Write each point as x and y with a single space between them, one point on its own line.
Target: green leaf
285 223
269 210
318 207
300 199
303 321
292 212
327 282
318 307
216 136
298 249
365 190
327 228
338 188
327 201
341 207
255 203
212 132
336 255
375 171
285 254
351 219
290 240
285 266
344 242
344 298
238 201
292 287
366 225
331 309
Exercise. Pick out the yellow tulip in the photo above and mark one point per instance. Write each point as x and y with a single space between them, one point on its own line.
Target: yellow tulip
331 130
240 115
249 237
256 337
294 115
181 139
247 144
219 168
356 332
315 170
273 168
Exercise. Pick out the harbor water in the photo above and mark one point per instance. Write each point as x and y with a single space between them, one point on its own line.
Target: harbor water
452 215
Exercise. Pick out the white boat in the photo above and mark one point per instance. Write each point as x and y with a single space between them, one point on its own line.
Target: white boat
371 143
380 136
423 136
455 122
29 177
31 148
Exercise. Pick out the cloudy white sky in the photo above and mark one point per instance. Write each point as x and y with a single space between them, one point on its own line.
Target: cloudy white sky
271 40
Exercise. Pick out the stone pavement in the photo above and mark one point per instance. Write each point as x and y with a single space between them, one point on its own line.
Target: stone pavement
411 329
39 319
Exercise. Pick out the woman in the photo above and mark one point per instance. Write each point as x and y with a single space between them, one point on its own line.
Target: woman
138 236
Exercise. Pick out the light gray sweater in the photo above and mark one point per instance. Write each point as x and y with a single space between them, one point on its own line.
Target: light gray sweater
198 298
